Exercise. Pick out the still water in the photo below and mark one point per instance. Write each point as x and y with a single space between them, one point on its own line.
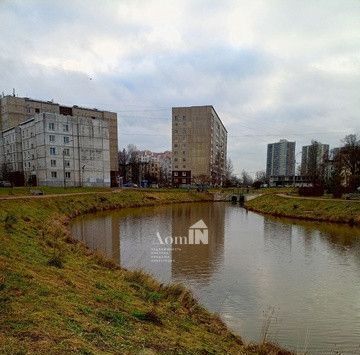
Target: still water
303 276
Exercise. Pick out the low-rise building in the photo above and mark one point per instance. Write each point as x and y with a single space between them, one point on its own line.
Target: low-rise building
155 166
289 180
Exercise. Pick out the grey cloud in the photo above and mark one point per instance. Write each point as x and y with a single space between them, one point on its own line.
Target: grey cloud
270 71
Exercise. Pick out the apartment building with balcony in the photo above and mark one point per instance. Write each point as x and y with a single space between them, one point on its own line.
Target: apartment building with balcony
14 111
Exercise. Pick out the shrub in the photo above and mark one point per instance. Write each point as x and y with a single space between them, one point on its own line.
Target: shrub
311 191
150 316
56 261
10 221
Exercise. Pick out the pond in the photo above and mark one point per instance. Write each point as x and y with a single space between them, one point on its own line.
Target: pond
300 278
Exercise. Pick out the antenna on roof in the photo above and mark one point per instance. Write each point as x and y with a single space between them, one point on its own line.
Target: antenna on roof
14 92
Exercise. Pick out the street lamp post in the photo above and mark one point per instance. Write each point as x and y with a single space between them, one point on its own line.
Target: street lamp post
82 175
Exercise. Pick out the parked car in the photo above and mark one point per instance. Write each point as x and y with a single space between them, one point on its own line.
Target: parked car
130 184
353 196
5 184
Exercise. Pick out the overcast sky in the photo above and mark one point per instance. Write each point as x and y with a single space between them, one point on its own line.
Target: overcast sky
272 69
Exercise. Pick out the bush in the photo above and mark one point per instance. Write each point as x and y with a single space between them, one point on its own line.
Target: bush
10 221
56 261
311 191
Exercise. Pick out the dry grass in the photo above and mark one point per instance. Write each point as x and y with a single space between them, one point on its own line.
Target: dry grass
308 209
57 297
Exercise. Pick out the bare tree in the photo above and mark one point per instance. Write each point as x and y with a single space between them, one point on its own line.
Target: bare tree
129 163
229 173
348 161
261 176
202 179
246 178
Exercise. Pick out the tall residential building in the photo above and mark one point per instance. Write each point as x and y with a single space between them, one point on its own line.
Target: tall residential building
16 110
313 157
280 158
199 145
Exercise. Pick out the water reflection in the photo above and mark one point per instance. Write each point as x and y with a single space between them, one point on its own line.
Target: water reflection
100 234
309 272
198 261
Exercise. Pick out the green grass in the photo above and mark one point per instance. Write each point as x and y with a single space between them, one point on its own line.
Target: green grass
312 209
58 297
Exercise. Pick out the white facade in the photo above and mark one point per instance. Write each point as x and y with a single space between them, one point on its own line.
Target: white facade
61 150
10 150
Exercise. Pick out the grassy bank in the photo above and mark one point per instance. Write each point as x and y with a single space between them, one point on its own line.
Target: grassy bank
57 297
309 209
26 191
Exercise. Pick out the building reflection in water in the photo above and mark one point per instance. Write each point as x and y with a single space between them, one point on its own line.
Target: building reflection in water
198 261
101 234
138 228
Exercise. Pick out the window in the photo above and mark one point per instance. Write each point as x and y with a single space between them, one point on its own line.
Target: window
66 151
66 139
67 174
66 128
37 110
53 163
52 138
52 151
184 173
67 163
175 173
184 181
51 126
54 174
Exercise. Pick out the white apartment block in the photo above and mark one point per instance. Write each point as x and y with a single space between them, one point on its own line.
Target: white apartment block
60 150
11 150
